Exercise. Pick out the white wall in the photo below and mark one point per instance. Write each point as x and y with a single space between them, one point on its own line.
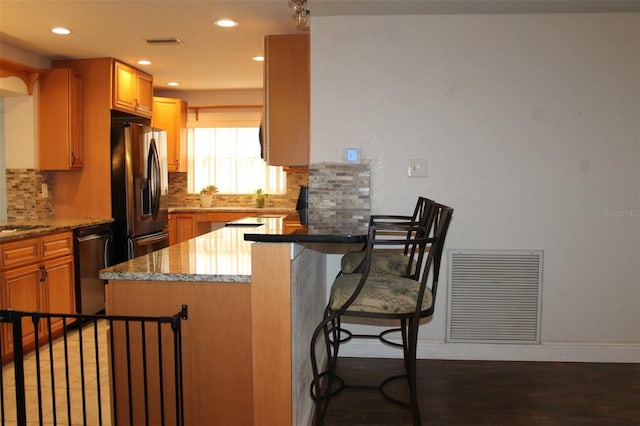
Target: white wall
530 127
20 119
20 111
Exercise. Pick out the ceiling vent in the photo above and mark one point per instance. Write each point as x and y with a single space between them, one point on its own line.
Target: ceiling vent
164 41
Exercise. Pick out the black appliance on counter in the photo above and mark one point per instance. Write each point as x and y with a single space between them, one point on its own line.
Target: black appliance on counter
92 252
139 189
302 206
303 198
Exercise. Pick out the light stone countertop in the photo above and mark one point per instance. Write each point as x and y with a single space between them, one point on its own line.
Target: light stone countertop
254 211
15 230
219 256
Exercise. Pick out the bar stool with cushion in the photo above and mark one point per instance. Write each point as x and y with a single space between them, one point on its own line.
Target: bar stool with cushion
391 262
406 298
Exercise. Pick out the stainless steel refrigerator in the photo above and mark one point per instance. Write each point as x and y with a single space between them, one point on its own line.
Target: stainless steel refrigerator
139 189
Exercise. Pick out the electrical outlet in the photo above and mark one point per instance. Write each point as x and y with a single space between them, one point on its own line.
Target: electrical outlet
45 191
418 168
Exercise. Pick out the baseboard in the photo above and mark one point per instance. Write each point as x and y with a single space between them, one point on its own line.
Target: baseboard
556 352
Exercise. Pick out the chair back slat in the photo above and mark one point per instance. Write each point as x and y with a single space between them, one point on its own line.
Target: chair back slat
422 242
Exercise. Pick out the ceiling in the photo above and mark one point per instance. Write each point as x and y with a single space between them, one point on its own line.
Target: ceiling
213 57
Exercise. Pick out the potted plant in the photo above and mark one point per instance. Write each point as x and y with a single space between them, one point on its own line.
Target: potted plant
206 195
260 197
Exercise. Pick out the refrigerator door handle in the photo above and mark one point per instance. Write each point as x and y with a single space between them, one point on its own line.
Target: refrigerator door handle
107 251
161 236
153 170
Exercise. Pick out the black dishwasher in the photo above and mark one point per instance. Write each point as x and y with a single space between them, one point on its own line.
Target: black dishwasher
92 252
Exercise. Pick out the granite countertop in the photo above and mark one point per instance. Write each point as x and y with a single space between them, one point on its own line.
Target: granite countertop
219 256
321 226
254 211
15 230
224 255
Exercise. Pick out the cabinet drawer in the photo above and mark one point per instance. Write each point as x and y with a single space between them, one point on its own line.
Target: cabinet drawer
55 245
19 252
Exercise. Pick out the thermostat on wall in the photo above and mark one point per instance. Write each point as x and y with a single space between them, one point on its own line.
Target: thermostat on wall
352 155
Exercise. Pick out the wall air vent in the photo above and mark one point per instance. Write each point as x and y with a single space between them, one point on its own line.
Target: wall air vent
164 41
494 296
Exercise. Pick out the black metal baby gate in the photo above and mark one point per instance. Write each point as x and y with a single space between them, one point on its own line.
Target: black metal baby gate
91 369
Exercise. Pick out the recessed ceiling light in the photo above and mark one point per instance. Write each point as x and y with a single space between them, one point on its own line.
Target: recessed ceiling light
144 62
61 31
173 83
258 58
226 23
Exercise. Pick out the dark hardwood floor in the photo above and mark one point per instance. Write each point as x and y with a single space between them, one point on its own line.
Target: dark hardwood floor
461 393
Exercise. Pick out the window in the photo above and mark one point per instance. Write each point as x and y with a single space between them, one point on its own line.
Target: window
229 158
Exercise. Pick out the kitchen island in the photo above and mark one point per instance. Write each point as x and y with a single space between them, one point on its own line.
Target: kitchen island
252 308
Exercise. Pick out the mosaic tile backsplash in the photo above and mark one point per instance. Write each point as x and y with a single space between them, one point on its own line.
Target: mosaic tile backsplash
339 186
340 193
334 186
24 195
179 197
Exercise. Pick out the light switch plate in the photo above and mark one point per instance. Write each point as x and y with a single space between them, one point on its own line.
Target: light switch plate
418 168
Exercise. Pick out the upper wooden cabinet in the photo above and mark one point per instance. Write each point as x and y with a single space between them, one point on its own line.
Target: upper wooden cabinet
285 127
132 90
170 114
61 140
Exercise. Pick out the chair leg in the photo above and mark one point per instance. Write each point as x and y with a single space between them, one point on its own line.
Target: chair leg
330 330
410 362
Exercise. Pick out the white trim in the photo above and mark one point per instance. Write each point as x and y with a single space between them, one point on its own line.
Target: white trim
558 352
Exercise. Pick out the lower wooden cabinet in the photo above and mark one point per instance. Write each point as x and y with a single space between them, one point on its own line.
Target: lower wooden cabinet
37 276
20 288
186 225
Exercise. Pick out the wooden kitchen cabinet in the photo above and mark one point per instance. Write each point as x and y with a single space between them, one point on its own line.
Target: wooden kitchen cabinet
132 90
78 193
285 124
37 276
61 120
20 288
170 114
181 227
186 225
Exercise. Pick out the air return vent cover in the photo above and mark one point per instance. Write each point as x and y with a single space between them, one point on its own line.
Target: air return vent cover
494 296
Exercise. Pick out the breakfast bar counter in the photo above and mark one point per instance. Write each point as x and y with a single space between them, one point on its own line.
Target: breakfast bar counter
254 294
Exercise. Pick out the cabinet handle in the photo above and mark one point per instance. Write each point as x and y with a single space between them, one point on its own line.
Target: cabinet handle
43 276
73 158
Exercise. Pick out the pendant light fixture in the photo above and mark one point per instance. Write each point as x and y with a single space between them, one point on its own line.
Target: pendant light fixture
300 14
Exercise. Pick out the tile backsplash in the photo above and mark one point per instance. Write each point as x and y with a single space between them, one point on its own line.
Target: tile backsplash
339 193
339 186
24 195
179 197
336 186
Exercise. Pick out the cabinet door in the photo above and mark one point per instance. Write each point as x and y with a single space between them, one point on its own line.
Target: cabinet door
170 114
144 93
59 289
76 102
61 120
20 289
124 87
132 90
185 227
286 100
